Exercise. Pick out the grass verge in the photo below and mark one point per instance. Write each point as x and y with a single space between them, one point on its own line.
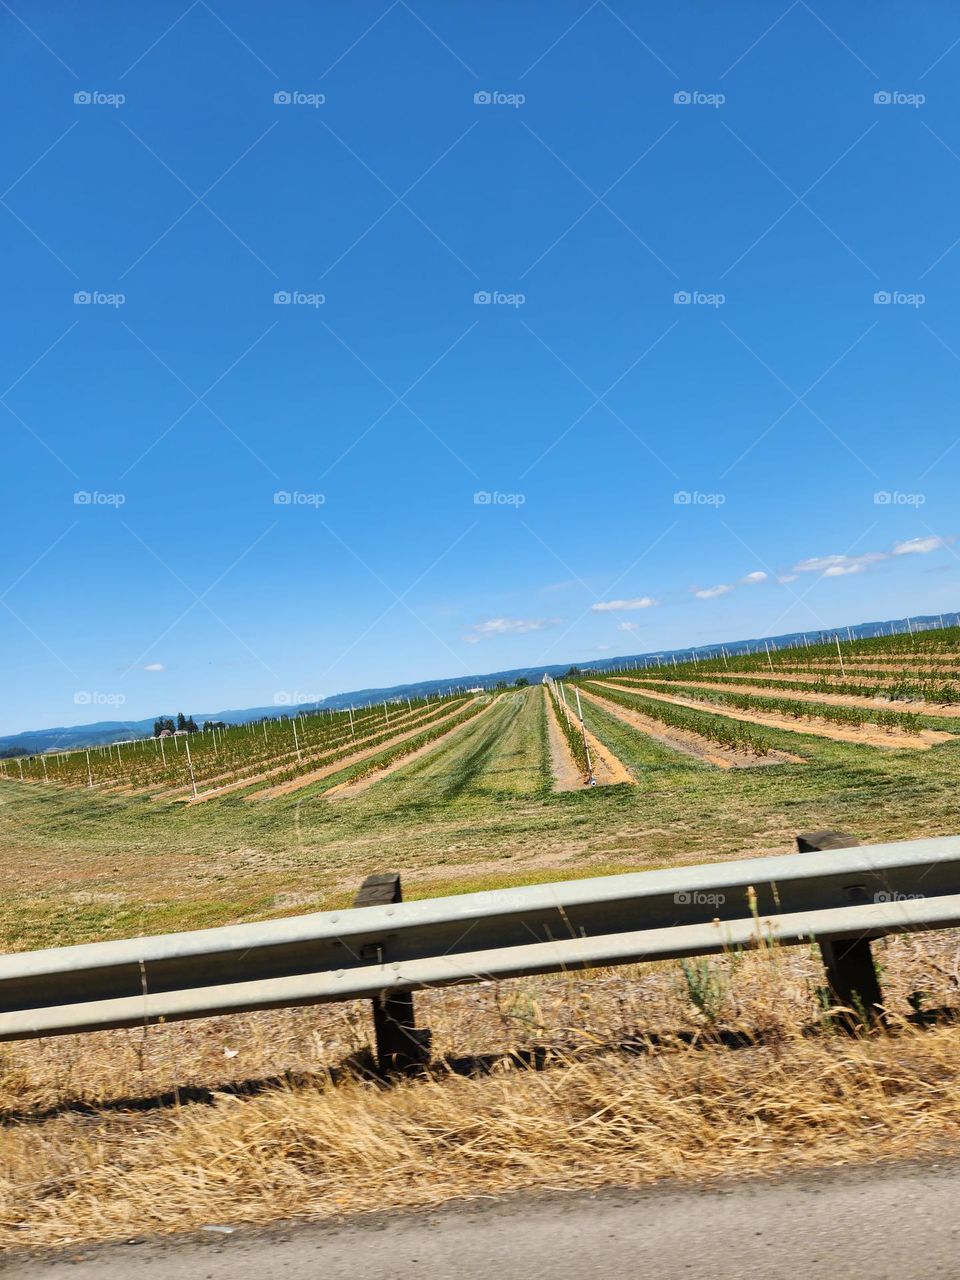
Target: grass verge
642 1074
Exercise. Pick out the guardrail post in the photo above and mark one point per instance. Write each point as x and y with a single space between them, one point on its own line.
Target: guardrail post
400 1045
851 974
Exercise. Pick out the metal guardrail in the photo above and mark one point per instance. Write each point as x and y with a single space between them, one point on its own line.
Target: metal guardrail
840 896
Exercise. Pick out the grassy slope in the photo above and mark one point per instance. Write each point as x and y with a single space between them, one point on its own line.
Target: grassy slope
474 813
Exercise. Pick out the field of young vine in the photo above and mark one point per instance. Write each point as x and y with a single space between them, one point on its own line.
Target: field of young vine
735 735
223 758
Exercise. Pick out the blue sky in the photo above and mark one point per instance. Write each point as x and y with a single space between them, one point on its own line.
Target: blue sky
586 168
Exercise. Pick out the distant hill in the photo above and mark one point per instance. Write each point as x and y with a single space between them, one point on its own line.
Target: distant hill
70 738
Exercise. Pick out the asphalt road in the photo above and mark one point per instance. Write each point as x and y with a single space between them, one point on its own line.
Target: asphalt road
899 1222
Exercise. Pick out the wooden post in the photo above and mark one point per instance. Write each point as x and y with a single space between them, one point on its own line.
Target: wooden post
851 975
400 1045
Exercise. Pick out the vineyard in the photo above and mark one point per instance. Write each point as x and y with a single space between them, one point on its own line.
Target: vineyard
218 760
721 697
734 735
468 791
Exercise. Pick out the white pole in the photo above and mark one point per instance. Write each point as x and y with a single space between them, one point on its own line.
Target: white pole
583 730
840 656
163 753
190 765
296 741
43 761
769 659
89 774
563 694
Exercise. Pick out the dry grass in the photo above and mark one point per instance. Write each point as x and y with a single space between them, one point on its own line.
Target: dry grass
636 1084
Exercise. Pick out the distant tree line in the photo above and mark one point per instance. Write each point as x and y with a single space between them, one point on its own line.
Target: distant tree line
183 724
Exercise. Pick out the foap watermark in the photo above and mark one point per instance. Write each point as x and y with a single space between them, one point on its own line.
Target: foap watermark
294 498
297 298
92 698
891 896
96 98
495 298
696 98
894 498
896 298
697 898
494 498
492 899
293 698
894 98
297 98
694 498
290 901
697 298
94 498
495 98
96 298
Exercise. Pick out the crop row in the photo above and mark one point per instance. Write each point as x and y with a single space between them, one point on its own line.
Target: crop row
734 734
230 752
935 691
570 731
853 716
364 768
372 736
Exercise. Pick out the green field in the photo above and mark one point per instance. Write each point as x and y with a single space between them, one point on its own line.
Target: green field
475 810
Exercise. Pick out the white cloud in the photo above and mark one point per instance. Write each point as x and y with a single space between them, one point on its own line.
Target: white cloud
787 577
712 593
621 606
508 627
757 576
919 546
628 626
836 566
154 666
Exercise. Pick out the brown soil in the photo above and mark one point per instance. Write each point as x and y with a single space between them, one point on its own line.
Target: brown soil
686 741
316 775
607 769
867 735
